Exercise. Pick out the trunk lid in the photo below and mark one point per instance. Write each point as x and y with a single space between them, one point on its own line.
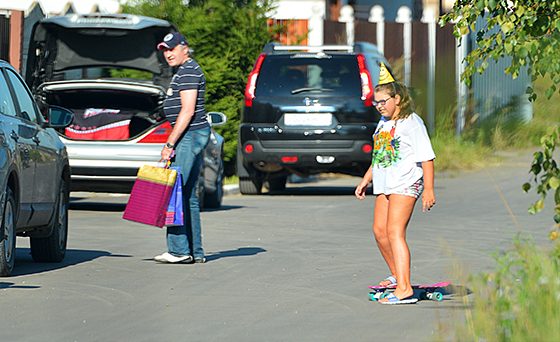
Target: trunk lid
97 46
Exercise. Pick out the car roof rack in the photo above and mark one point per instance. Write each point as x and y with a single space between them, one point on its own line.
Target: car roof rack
358 47
276 47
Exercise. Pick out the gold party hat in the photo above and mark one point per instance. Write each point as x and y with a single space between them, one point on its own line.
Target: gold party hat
384 75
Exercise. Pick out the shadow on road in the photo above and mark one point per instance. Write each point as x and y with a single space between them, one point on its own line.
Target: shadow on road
8 285
97 206
223 208
316 190
81 204
243 251
25 264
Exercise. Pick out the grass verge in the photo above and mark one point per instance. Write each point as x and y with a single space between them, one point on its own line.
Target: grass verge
518 301
477 146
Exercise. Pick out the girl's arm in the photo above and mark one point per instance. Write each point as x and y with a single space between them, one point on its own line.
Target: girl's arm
428 197
360 191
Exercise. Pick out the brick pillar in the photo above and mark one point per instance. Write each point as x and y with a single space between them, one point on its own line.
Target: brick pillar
16 36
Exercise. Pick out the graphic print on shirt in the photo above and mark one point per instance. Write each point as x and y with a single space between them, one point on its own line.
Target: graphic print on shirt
385 148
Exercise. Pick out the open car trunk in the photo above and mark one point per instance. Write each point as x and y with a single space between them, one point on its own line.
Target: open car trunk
106 110
62 45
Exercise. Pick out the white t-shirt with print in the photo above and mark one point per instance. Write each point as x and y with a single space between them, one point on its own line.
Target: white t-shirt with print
399 148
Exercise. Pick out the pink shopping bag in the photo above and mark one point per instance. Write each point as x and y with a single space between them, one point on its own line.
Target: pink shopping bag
150 195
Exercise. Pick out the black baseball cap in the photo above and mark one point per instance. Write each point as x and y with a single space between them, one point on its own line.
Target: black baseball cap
171 40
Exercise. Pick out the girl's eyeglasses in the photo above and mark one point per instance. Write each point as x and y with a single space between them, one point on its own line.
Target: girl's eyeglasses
381 102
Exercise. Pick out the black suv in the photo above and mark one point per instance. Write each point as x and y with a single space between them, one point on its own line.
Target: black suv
307 110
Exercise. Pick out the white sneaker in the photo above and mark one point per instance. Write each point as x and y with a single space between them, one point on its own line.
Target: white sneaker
171 259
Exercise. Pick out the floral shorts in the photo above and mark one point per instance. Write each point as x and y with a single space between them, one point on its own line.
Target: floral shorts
415 190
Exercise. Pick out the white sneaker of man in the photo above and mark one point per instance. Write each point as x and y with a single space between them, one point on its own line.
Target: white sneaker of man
168 258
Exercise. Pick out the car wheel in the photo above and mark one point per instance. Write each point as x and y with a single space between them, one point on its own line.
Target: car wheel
248 186
250 182
8 244
214 200
277 183
53 247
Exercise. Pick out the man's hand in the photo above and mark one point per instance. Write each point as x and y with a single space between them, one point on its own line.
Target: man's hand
166 154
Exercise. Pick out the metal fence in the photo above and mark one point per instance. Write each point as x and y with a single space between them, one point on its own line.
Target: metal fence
393 49
4 37
430 60
495 89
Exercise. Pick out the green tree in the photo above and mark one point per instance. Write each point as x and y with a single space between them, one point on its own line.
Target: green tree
226 37
529 32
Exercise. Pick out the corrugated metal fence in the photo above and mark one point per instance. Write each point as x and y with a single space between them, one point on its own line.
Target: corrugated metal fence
4 37
495 89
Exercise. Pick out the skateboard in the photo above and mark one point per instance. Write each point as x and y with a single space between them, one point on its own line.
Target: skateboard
434 291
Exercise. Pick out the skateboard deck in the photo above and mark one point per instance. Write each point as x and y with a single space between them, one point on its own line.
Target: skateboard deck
434 291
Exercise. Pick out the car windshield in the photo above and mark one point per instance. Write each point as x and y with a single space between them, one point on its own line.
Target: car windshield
102 72
286 75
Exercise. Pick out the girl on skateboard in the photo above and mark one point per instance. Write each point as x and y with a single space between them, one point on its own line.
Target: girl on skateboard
402 170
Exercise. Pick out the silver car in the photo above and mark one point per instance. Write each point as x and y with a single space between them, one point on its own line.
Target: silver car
106 69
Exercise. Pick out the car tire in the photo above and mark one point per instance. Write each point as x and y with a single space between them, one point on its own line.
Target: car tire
53 247
214 200
277 183
248 186
8 242
250 182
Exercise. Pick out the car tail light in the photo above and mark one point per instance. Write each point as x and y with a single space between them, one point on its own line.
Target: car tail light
158 135
289 159
367 148
249 148
252 81
365 77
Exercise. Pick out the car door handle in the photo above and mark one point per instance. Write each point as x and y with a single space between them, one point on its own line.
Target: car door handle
14 136
36 140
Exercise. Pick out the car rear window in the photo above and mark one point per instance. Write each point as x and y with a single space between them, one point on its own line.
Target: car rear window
286 75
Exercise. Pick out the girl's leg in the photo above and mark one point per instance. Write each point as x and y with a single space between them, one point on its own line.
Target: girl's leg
399 213
381 234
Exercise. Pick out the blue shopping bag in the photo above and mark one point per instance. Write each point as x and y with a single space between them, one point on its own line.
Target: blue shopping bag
174 213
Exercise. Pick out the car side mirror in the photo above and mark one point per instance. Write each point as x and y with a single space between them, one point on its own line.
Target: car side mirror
216 118
59 117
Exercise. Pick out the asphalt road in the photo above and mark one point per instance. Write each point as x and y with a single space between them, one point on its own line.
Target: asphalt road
292 266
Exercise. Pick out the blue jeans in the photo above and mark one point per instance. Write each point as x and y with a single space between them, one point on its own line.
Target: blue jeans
182 240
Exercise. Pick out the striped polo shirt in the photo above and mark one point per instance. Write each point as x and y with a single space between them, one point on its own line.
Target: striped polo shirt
189 76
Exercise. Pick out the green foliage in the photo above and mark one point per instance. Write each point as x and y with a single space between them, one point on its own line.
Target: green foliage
227 37
529 32
546 174
519 301
130 73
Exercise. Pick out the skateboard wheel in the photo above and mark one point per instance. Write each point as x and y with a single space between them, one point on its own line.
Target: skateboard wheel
384 295
373 296
437 296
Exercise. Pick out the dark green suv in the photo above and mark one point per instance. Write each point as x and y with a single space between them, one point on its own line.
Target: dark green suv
307 110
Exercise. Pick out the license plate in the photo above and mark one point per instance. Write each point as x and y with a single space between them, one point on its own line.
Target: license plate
308 119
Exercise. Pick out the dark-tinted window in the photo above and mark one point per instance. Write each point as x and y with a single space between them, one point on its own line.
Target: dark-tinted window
24 98
284 75
6 104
